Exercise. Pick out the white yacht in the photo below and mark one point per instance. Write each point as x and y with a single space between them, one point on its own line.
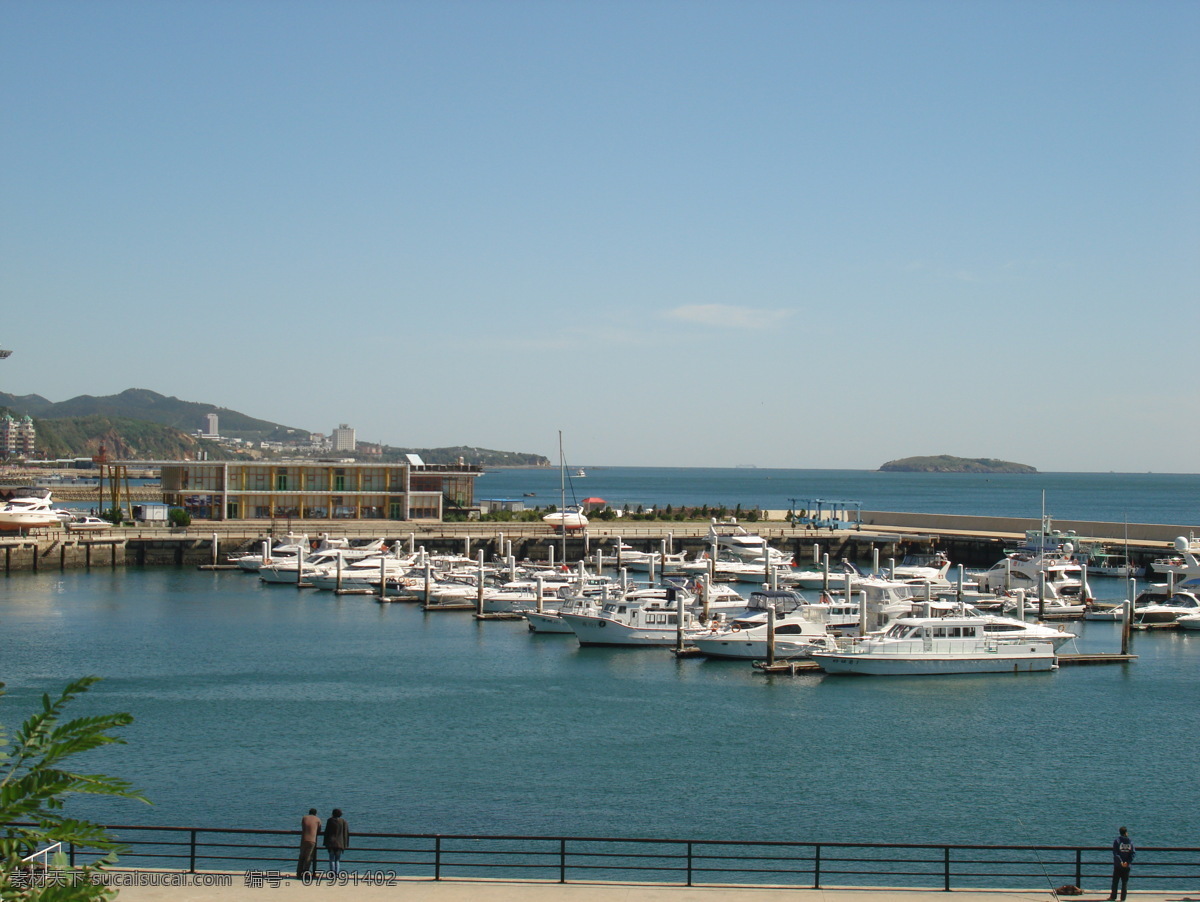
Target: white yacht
289 548
799 630
631 559
1188 621
729 536
922 568
31 511
1022 570
639 619
567 518
1159 605
938 645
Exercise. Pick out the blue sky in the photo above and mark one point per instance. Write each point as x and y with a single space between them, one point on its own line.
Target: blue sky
790 234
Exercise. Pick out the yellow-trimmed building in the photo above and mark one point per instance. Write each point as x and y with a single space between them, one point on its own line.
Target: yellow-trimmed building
317 489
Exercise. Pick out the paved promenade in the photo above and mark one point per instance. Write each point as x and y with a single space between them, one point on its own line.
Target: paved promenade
506 891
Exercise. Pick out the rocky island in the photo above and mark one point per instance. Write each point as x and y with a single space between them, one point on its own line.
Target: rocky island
945 463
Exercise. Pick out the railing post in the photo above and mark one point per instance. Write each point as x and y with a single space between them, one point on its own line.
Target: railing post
817 866
562 861
1079 867
192 852
946 866
71 854
689 864
437 857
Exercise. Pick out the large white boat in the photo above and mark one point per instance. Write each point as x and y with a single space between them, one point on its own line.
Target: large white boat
938 645
640 619
799 630
630 558
31 511
1185 562
250 561
730 537
930 568
567 518
1022 570
1160 605
1188 621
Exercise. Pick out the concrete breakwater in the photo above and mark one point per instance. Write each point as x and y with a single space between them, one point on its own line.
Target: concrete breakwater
971 541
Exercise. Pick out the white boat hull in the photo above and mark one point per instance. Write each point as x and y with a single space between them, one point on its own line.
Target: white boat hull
1031 658
602 631
547 622
755 649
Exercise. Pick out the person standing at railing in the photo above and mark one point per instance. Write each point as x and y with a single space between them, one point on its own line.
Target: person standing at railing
1123 852
337 840
310 828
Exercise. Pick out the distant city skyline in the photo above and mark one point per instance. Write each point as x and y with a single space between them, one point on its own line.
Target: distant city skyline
789 234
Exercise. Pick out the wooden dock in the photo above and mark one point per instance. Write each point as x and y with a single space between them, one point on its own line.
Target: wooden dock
1098 658
789 667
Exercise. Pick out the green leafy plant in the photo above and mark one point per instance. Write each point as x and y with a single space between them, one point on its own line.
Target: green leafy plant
33 787
177 516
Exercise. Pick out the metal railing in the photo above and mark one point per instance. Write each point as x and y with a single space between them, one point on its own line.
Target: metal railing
686 862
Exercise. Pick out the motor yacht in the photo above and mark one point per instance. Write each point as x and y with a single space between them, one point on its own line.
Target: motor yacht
938 645
567 518
799 630
729 536
86 524
642 618
29 511
1021 570
922 568
1157 605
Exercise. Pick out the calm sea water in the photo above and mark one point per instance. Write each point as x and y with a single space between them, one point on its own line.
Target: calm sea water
1113 497
253 703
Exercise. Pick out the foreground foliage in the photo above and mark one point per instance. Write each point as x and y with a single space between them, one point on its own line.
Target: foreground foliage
33 787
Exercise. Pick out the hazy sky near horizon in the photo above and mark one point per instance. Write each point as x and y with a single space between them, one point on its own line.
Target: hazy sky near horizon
790 234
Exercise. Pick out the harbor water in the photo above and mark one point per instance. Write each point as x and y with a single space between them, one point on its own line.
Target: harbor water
1113 497
253 703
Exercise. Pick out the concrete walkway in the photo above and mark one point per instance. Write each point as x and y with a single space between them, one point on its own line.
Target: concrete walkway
408 890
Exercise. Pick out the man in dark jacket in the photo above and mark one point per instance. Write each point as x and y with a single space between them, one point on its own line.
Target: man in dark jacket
1123 852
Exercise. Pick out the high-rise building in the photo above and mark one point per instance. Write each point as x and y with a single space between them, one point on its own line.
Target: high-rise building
343 438
211 427
18 438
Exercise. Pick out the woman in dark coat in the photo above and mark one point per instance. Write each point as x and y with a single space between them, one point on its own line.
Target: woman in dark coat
337 840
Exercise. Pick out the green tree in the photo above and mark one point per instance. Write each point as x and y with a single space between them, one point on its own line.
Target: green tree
177 516
34 785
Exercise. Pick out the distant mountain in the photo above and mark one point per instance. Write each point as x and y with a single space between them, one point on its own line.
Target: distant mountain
122 439
481 456
139 424
143 404
945 463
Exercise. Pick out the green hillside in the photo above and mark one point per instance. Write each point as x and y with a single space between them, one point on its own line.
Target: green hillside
143 404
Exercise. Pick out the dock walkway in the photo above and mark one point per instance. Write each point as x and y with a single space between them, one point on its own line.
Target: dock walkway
405 890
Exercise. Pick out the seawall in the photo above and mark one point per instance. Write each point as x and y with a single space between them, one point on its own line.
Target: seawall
972 541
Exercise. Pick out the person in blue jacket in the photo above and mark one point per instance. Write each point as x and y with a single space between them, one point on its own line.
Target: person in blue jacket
1123 852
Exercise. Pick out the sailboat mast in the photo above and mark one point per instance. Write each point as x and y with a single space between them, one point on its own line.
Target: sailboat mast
562 484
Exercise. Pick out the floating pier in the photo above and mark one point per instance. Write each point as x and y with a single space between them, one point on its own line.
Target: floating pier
789 667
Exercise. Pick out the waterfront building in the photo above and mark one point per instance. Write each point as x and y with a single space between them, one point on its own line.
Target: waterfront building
317 490
18 438
343 438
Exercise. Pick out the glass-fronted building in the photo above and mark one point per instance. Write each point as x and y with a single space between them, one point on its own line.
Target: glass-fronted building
317 490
